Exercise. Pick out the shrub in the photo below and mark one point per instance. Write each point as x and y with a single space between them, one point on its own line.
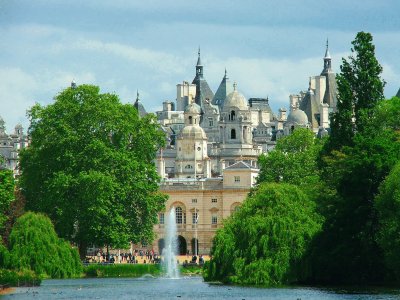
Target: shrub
34 245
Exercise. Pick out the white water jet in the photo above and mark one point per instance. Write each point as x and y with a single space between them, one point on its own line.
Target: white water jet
171 246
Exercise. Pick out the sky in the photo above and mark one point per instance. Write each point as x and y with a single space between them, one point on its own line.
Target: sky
270 48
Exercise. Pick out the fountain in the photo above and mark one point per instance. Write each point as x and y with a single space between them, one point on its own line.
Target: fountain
169 252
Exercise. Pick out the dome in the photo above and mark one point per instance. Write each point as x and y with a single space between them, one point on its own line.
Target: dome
193 132
298 117
236 99
193 108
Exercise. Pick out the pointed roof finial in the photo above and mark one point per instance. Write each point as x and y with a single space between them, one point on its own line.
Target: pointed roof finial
327 54
226 75
199 60
234 86
137 95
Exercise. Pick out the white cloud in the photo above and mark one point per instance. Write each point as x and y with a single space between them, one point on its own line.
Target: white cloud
20 89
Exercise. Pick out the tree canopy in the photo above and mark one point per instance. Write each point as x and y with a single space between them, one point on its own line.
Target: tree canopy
293 160
360 88
7 188
90 168
266 241
360 152
34 245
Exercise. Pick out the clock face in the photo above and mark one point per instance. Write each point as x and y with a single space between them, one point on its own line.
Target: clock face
198 148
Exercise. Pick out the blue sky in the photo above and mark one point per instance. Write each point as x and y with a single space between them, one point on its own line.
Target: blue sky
270 48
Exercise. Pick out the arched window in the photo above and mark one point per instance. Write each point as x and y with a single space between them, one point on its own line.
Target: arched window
178 215
232 116
190 120
233 134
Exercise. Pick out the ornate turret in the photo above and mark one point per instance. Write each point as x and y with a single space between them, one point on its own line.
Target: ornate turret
327 61
203 91
199 66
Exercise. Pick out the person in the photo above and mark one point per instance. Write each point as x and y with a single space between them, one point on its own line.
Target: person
194 259
201 260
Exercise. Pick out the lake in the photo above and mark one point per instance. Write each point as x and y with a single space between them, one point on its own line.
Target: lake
184 288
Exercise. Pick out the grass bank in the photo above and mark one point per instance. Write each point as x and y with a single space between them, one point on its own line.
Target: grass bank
134 270
13 278
121 270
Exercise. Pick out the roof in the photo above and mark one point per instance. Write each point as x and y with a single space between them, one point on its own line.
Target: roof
239 165
310 106
398 93
235 99
139 106
224 89
203 90
297 117
261 103
193 108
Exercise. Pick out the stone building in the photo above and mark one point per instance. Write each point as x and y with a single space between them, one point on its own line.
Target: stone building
210 162
10 145
316 103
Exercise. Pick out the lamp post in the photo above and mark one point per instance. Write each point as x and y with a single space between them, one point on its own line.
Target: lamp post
195 233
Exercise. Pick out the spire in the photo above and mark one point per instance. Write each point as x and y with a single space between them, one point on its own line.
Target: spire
198 59
327 60
327 54
226 76
73 84
137 96
234 86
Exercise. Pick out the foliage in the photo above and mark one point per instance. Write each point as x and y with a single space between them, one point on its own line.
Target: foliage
121 270
6 194
4 256
360 152
90 168
360 88
265 242
293 160
34 245
19 278
388 206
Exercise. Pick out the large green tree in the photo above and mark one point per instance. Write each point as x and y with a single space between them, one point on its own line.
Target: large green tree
266 241
90 168
360 88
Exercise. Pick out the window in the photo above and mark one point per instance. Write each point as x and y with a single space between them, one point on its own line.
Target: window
194 200
232 115
214 200
237 178
161 218
195 217
214 219
190 120
210 122
178 215
233 134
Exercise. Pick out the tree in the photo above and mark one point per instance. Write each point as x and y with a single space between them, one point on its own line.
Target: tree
34 245
360 88
293 160
7 188
266 241
388 206
90 168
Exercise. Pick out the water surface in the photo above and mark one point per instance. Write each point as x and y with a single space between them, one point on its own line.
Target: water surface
184 288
